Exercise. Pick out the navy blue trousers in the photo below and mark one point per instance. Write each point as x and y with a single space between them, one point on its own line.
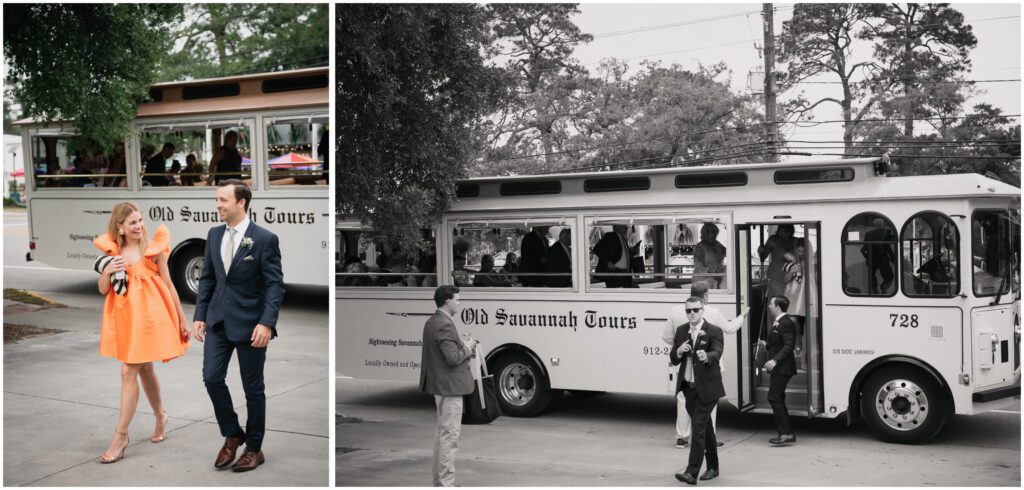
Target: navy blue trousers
217 351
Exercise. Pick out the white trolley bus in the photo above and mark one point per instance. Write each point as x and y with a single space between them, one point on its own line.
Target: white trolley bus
170 163
910 287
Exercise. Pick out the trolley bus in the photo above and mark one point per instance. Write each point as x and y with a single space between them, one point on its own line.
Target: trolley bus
277 124
910 286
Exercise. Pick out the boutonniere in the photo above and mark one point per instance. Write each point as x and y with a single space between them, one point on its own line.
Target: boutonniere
701 334
247 242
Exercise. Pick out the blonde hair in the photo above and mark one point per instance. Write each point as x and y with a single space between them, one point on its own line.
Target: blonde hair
118 215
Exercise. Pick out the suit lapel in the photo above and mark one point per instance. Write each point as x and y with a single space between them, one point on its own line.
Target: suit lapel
242 251
218 242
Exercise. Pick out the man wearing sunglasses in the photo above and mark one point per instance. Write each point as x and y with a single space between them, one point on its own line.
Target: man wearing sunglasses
697 350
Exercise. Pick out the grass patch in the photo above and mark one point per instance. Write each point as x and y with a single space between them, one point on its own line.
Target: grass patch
23 296
14 332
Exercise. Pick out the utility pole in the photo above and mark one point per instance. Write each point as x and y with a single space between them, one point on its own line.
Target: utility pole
771 128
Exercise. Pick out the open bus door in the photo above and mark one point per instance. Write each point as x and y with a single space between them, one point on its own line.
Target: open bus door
804 393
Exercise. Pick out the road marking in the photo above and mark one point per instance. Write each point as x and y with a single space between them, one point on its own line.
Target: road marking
1006 411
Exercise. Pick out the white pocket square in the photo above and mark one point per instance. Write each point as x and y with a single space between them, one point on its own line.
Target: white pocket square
248 257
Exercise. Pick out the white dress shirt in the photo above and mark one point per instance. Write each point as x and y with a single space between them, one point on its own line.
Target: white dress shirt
240 233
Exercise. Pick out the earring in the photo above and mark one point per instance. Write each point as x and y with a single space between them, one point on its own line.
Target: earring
120 231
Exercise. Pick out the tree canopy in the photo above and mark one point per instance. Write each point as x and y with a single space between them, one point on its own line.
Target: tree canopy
412 80
88 63
224 39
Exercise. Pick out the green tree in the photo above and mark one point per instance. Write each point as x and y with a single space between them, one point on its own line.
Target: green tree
217 40
87 63
411 82
818 40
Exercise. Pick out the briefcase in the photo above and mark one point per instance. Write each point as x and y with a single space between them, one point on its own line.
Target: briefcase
481 406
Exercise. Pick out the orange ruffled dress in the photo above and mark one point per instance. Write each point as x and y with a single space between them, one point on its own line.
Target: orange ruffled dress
142 325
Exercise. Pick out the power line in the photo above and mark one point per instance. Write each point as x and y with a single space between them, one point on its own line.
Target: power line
922 82
953 157
674 24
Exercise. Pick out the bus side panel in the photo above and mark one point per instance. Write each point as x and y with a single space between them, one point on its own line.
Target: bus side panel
583 345
64 227
380 338
855 335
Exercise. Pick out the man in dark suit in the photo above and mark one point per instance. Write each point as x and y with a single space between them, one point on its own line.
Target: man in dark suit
156 166
445 374
533 253
697 350
560 261
879 253
781 365
240 294
613 256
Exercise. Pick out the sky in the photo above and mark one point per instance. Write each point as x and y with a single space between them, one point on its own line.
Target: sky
733 32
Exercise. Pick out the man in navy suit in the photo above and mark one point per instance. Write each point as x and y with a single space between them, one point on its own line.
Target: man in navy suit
782 366
697 350
240 294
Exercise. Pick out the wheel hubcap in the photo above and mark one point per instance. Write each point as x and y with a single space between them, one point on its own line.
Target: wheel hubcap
193 269
517 384
901 404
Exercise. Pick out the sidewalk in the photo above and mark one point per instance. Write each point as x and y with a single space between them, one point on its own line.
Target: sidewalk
61 404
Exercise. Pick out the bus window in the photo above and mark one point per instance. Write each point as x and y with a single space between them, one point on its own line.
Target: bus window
195 154
993 249
930 245
658 253
365 263
65 161
297 150
869 256
512 255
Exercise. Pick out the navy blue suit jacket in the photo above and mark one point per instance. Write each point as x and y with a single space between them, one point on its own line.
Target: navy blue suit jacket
250 294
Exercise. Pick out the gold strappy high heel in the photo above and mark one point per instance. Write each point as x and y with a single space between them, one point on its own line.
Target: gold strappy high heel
156 439
120 455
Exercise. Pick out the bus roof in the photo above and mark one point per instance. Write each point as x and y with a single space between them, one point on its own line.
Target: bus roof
262 91
813 181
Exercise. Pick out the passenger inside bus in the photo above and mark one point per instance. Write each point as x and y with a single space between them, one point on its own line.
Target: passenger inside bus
511 268
534 251
156 166
487 276
613 256
775 250
559 261
227 162
709 257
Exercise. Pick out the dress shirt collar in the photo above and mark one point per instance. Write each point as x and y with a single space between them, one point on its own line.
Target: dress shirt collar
240 227
779 318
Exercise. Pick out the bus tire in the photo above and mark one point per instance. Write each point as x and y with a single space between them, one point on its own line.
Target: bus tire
188 265
523 388
901 404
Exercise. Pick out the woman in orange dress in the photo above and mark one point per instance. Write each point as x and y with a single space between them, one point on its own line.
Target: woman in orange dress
144 324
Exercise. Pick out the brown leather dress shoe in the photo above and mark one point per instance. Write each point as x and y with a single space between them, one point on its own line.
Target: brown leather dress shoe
229 450
249 461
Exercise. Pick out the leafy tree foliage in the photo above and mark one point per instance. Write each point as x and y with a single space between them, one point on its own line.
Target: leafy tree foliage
818 40
538 41
411 82
88 63
919 49
224 39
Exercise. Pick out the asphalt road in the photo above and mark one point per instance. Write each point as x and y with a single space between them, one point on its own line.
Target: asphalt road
385 430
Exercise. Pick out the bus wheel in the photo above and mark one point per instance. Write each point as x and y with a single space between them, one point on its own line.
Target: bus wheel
903 405
188 265
523 389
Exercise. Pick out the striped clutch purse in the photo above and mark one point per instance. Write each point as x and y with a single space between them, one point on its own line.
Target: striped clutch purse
118 280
